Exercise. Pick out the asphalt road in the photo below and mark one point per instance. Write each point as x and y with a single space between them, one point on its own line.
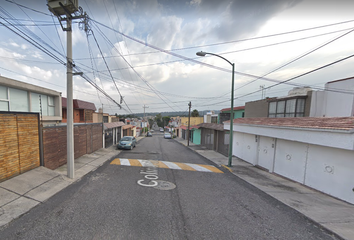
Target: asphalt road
111 204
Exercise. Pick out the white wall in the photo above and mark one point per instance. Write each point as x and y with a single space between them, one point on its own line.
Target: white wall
339 104
317 104
331 103
331 171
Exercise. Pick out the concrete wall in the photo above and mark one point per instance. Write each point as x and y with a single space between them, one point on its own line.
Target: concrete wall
339 104
193 121
256 108
331 103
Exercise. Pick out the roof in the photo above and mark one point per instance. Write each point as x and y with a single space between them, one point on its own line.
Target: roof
339 80
335 123
215 126
191 127
78 104
128 126
113 124
235 108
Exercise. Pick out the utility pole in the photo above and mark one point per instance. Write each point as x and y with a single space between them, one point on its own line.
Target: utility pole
189 122
144 110
263 90
64 10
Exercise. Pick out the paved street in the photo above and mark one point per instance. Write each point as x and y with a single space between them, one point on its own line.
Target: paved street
162 190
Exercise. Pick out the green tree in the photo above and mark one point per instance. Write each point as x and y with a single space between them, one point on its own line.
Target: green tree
151 122
195 113
158 120
165 120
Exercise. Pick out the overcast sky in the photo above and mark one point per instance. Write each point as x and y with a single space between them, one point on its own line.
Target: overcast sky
150 49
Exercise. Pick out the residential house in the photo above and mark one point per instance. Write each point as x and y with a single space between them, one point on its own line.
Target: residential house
83 111
16 96
113 132
317 152
213 136
211 117
193 121
337 99
296 104
224 115
23 109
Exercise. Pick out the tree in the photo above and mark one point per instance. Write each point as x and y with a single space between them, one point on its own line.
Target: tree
158 120
166 120
151 122
195 113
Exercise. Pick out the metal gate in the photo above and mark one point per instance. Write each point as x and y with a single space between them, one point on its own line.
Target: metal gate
223 142
108 138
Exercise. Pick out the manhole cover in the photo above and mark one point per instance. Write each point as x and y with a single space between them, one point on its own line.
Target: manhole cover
163 185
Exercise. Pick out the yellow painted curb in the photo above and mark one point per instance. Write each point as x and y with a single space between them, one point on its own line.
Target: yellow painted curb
227 167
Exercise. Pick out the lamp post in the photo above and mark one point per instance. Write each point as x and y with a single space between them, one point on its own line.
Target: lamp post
202 54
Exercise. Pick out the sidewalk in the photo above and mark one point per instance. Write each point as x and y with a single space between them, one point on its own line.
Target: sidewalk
333 214
20 194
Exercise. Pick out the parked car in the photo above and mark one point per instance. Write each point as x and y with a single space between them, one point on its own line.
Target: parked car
148 134
127 142
167 135
161 129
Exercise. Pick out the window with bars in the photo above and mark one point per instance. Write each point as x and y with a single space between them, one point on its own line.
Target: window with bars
294 107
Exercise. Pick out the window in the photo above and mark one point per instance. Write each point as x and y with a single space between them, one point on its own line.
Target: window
4 100
35 102
18 100
290 108
272 109
300 108
287 108
280 109
51 107
82 115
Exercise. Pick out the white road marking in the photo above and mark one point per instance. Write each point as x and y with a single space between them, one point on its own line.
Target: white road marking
124 161
171 165
198 168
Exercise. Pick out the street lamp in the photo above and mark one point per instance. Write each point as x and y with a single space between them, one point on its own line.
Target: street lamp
202 54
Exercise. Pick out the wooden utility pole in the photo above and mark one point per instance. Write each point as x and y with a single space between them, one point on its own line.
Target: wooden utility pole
189 122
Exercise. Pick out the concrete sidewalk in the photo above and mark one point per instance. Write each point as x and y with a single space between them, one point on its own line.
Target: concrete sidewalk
23 192
333 214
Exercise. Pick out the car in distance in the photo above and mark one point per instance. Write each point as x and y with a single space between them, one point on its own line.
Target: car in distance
167 135
148 134
161 129
127 142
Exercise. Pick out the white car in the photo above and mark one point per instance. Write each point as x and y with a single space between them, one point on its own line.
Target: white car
167 135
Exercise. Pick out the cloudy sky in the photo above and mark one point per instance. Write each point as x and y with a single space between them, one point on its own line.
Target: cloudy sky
145 50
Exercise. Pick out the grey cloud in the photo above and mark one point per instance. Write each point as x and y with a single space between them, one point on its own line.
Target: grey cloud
240 18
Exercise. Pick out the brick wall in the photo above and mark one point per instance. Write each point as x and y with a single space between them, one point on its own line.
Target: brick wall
87 139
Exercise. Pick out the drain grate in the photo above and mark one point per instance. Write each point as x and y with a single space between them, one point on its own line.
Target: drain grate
164 185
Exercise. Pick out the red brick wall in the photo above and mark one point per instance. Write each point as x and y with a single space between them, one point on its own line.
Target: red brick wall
87 139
